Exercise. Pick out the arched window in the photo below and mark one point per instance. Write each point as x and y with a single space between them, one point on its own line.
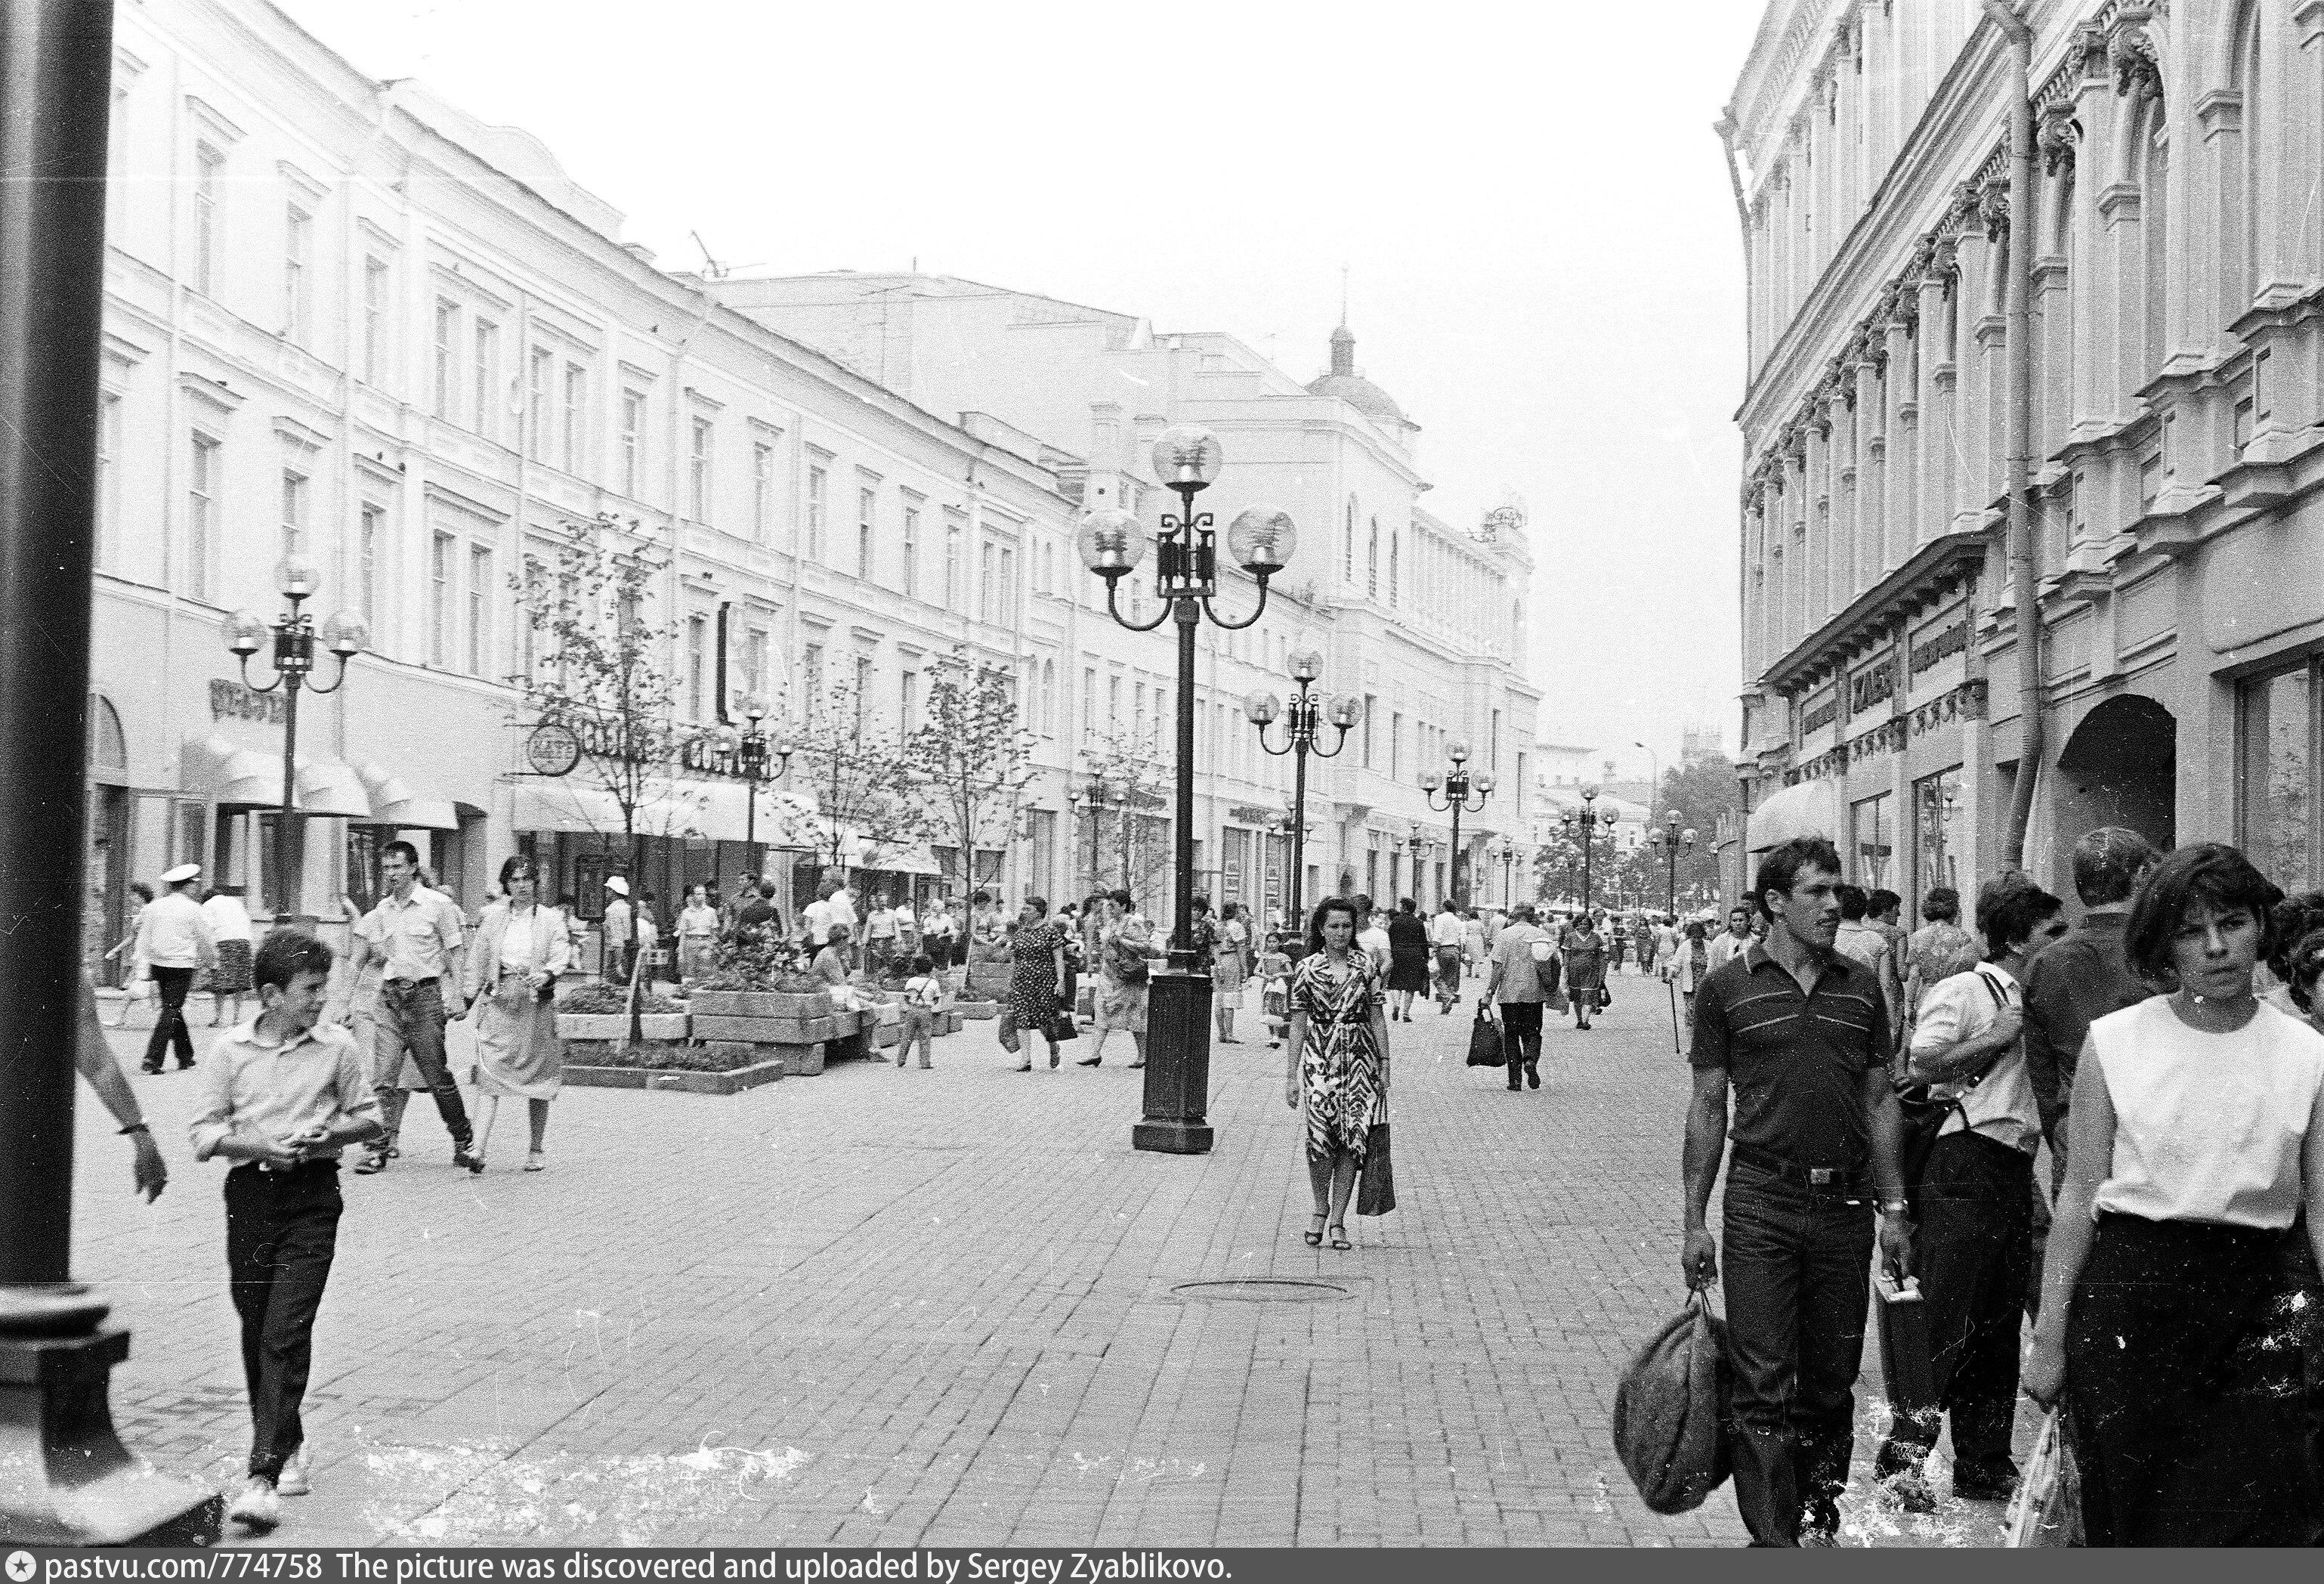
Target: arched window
108 746
1394 560
1050 698
2152 148
1372 568
2244 190
1351 539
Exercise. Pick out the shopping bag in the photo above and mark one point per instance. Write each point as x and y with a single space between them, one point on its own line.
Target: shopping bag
2047 1509
1485 1040
1010 1040
1670 1410
1376 1189
1063 1028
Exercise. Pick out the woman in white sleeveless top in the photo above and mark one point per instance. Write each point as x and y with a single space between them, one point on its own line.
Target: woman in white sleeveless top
2196 1139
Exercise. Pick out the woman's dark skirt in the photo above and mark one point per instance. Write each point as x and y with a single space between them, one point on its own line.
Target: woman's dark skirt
2183 1375
1407 970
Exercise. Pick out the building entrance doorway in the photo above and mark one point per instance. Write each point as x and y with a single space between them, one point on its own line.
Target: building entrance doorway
2120 767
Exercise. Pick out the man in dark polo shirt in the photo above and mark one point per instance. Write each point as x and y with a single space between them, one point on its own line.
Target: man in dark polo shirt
1800 1034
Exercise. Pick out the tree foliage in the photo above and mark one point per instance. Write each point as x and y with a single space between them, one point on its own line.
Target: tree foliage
1133 843
855 772
968 762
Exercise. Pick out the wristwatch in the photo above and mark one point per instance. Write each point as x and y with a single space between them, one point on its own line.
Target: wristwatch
1895 1207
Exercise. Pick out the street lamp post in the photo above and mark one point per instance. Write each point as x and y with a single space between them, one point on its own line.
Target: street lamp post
1303 727
1669 840
296 579
1456 784
1111 542
1094 796
1417 844
1508 862
750 752
1585 828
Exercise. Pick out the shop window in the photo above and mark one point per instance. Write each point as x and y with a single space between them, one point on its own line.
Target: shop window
2276 787
1936 809
1872 842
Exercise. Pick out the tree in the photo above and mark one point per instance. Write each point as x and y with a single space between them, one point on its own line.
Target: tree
857 774
1139 855
1703 790
968 762
599 670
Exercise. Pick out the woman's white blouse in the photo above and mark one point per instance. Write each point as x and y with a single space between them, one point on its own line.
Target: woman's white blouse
2207 1128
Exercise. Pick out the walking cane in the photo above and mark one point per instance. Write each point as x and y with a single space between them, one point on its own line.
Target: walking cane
1672 986
491 1117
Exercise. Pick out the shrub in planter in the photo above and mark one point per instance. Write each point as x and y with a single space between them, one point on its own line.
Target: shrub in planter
671 1057
610 1000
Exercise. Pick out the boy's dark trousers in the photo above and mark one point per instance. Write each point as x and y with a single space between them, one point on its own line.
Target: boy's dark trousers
281 1229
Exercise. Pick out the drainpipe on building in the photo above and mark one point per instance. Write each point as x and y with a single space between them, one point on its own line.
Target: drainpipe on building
2017 461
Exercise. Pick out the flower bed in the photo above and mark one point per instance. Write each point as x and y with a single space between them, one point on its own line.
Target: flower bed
703 1069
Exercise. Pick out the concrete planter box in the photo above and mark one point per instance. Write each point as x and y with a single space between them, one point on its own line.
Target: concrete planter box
607 1053
977 1011
661 1027
771 1030
761 1003
691 1083
801 1060
888 1034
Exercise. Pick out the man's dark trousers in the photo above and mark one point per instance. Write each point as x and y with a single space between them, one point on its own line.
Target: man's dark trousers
280 1230
169 1030
1520 1039
1973 1249
413 1012
1797 1276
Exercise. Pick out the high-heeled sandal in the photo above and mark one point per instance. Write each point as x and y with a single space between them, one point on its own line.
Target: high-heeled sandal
1340 1237
1314 1235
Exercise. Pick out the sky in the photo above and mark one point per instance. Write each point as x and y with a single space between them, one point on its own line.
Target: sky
1540 252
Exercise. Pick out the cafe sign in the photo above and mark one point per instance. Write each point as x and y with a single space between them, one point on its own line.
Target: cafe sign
234 700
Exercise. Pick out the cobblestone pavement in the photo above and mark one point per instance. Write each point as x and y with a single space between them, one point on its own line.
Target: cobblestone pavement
884 1307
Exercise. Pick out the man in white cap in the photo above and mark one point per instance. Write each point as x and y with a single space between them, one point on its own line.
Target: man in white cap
620 929
418 937
174 941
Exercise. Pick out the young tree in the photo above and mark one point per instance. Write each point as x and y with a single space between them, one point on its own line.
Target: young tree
1135 849
968 762
856 771
600 669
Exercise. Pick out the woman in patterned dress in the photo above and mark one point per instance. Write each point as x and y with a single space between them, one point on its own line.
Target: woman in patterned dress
1037 977
1338 1066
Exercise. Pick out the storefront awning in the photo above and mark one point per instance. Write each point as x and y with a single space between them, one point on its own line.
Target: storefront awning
237 777
394 804
903 857
713 810
1810 807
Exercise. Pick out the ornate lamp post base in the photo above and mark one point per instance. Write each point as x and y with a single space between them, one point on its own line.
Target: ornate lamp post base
65 1477
1177 1065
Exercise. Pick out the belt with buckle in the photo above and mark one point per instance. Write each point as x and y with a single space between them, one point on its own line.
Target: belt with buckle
409 984
1803 1176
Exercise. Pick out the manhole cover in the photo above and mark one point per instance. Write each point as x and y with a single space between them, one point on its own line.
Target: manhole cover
1260 1292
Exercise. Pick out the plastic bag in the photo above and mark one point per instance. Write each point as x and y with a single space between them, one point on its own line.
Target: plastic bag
2047 1509
1670 1410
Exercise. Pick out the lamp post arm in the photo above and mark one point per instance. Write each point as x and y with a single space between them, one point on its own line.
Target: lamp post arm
1258 611
1114 610
1291 743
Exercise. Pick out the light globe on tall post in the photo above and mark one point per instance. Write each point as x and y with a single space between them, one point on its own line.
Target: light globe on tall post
752 751
344 634
1585 828
1302 734
1457 782
1669 840
1111 542
1096 796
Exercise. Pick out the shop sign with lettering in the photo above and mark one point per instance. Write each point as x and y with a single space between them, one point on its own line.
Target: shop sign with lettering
1819 712
241 702
1873 685
1939 645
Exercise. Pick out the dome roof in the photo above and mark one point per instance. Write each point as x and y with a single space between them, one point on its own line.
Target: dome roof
1354 388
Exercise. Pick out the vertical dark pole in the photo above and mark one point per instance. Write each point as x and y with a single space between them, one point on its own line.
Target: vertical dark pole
65 1477
1296 920
1588 830
56 61
1457 841
1178 1003
285 893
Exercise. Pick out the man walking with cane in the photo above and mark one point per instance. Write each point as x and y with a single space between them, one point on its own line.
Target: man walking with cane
1801 1034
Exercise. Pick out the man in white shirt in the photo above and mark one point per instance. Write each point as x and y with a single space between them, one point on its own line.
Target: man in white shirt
617 932
1371 935
1975 1201
842 913
421 939
815 916
173 941
1735 937
1447 933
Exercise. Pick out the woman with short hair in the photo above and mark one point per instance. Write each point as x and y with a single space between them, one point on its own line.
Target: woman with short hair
1036 978
2195 1142
511 979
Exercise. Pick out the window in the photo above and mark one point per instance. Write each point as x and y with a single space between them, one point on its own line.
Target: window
698 470
813 667
371 547
633 441
440 601
2276 794
1371 571
448 329
1008 586
952 567
754 662
697 659
863 689
762 490
987 555
1371 705
208 162
1089 701
1395 561
487 343
528 660
867 504
375 318
1137 710
108 479
908 702
576 409
911 552
294 512
201 519
1046 710
818 502
480 610
540 369
1396 747
298 275
1872 842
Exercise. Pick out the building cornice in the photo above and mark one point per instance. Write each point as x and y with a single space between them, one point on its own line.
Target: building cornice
1926 579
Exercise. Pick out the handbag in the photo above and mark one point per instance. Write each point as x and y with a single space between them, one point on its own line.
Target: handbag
1376 1189
1605 997
1485 1040
1062 1028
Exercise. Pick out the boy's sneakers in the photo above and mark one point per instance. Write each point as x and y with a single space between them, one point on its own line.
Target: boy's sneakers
293 1481
257 1507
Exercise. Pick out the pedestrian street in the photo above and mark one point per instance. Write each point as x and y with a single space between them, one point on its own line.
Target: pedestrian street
885 1308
